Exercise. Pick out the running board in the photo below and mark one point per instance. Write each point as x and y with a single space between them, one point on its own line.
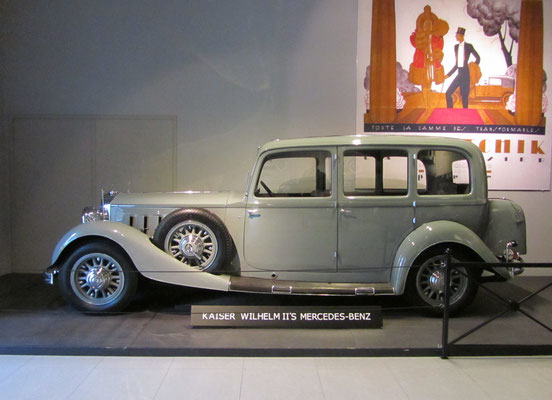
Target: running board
258 285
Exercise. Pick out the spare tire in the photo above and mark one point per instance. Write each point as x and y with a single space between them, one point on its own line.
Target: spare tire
196 237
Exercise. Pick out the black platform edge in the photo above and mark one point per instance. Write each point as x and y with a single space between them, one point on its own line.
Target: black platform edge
454 351
215 352
498 350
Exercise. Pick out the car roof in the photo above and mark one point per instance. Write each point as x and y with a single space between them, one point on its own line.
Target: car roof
355 140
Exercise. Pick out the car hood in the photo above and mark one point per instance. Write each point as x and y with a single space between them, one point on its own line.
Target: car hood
177 199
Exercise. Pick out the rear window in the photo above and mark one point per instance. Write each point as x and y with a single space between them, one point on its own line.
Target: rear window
442 172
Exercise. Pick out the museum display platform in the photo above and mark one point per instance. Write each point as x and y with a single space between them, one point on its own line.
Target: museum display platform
34 319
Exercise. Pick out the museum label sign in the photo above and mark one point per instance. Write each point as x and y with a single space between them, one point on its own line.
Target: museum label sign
358 317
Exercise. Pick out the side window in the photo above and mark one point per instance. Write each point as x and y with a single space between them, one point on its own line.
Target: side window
443 172
295 174
375 173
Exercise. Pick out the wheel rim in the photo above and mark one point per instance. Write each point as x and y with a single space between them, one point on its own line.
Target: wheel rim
430 281
192 243
97 279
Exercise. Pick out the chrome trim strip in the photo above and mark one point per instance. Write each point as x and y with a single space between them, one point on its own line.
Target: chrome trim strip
282 289
365 291
259 285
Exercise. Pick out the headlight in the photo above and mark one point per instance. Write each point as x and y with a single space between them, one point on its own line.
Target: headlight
90 214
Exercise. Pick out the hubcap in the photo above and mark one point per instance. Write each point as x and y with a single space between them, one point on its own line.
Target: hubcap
97 279
437 281
192 243
192 246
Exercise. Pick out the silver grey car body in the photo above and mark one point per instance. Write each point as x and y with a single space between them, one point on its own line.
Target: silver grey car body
343 215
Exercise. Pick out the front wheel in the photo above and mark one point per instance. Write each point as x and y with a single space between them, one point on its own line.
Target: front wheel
98 277
426 284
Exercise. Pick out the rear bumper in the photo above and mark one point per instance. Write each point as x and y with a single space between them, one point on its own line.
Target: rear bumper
516 270
510 269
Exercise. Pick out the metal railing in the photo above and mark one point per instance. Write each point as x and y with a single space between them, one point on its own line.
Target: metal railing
452 348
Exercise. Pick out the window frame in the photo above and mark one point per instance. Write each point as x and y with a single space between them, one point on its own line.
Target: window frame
379 177
315 152
466 157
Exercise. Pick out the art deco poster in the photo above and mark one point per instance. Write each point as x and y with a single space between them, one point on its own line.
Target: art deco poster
471 69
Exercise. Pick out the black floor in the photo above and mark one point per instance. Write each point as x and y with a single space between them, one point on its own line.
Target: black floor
34 319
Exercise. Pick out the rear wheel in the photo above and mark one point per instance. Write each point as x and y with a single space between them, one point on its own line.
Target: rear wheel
426 284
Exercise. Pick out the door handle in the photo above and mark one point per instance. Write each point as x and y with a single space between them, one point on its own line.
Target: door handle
347 213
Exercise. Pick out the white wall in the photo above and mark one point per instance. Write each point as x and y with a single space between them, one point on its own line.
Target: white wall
5 252
234 73
62 163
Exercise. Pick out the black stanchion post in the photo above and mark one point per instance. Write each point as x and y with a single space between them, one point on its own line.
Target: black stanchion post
446 304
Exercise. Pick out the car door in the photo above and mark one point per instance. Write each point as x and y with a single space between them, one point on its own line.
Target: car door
375 210
291 216
446 188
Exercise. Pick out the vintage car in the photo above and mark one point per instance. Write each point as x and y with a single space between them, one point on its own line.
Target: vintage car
345 215
498 90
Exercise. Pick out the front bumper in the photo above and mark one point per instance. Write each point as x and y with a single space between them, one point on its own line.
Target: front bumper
50 274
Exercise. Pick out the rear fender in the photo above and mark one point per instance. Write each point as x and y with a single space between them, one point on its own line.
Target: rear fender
149 260
433 234
506 224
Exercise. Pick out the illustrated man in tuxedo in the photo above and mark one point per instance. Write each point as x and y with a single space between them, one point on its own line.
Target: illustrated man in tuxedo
462 51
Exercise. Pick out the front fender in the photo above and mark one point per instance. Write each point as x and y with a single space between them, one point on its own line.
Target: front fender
149 260
429 235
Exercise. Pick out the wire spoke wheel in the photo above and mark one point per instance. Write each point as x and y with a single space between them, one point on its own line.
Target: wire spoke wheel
430 282
195 237
97 279
98 276
193 243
